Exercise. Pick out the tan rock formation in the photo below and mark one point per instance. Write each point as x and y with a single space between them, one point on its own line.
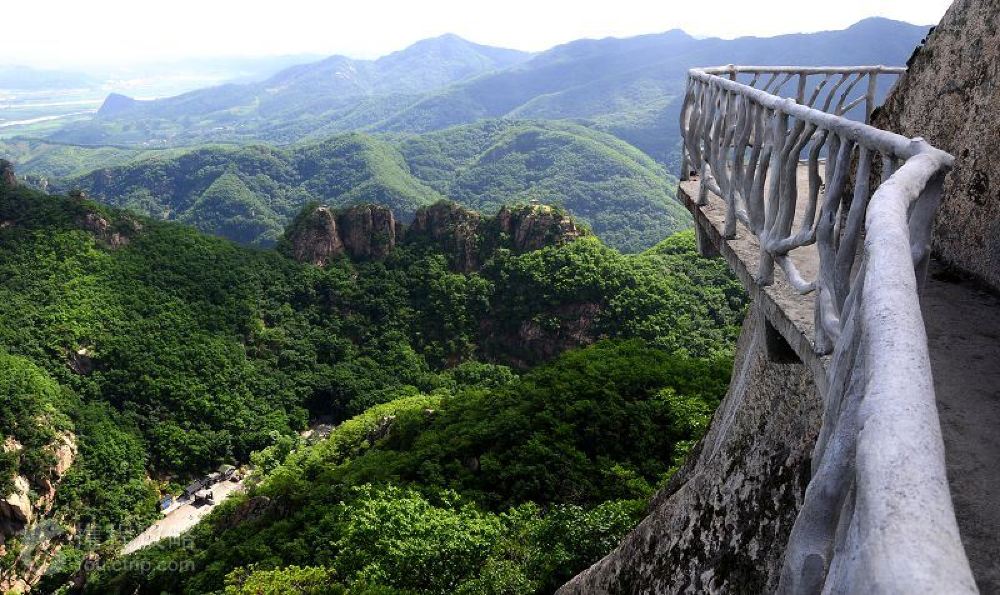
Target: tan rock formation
114 235
316 240
368 231
536 226
949 96
16 511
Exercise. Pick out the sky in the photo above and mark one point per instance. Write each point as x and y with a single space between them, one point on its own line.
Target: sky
82 33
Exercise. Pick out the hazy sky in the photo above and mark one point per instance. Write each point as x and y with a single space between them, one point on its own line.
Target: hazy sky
82 32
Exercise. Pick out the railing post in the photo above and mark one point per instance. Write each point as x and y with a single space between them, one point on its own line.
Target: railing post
779 129
870 96
921 224
685 128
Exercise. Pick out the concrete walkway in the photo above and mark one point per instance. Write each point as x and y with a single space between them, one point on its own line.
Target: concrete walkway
963 334
181 518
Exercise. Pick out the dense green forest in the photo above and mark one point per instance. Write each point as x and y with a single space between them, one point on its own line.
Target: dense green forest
508 485
249 194
166 352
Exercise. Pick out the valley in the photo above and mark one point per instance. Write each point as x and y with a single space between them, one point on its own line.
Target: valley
467 261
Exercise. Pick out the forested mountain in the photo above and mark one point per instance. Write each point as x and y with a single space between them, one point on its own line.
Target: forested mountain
631 87
624 196
153 352
44 161
249 193
628 87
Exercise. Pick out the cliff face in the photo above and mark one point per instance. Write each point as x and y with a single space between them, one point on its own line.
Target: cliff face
455 230
317 240
320 234
7 177
370 232
721 523
534 227
26 509
949 96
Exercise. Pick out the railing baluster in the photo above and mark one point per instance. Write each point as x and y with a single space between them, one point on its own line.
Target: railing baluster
852 233
779 129
870 96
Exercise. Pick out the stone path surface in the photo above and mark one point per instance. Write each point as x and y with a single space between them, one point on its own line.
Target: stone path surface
963 334
181 518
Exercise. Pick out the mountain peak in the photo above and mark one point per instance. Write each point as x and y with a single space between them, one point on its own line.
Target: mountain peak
115 104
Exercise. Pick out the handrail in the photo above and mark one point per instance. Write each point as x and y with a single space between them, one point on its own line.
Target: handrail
877 515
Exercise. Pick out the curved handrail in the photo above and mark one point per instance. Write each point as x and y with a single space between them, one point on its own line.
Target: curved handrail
877 515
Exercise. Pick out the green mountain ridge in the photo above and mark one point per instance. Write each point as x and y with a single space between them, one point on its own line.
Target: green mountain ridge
622 194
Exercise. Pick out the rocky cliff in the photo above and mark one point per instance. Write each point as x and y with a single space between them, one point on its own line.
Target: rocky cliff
7 177
453 229
320 234
370 232
314 238
949 96
534 227
721 523
27 506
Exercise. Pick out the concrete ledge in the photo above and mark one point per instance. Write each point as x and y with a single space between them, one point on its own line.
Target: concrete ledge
788 313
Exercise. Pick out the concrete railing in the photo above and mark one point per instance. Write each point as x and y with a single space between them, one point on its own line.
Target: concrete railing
877 515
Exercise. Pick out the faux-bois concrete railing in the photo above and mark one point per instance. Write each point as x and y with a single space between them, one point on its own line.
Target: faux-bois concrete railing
877 514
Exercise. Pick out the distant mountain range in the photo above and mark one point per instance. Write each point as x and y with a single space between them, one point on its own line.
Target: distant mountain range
627 87
443 118
25 78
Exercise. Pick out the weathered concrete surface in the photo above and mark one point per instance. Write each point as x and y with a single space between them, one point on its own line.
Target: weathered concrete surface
722 522
950 96
791 314
963 333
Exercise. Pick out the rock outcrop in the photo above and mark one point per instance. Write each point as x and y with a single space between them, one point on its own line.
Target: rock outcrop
368 231
536 226
314 239
25 515
7 177
949 96
115 234
455 230
320 234
721 523
371 232
17 510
